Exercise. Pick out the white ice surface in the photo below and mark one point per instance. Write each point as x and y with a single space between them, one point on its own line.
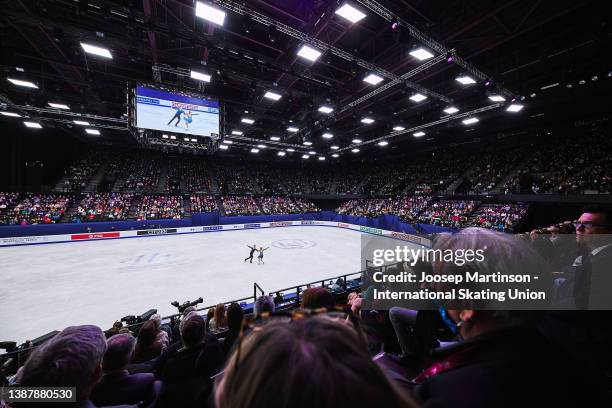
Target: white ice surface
49 287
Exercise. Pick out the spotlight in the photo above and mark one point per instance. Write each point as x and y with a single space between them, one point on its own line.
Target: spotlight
417 97
469 121
34 125
421 54
450 110
449 57
487 82
309 53
209 13
515 107
395 24
350 13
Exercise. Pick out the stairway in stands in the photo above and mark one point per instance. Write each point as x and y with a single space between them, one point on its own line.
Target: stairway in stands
97 178
71 211
163 180
186 203
499 188
220 205
133 211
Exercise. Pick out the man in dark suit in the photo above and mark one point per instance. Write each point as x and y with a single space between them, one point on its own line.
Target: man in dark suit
117 385
587 282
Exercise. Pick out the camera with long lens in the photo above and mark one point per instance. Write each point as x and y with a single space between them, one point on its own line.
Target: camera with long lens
181 307
566 227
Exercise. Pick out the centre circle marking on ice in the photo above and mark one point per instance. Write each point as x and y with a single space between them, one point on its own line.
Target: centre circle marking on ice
293 244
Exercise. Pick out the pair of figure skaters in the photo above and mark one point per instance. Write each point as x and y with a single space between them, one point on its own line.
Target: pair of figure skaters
253 250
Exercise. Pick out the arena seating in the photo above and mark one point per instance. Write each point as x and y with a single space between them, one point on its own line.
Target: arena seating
37 209
278 205
158 207
103 207
448 213
203 203
240 205
500 217
80 172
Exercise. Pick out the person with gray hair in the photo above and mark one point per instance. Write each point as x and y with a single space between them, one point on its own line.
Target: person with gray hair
70 359
118 386
263 304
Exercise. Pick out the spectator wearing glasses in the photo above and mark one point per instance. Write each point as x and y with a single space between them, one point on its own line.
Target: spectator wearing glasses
588 281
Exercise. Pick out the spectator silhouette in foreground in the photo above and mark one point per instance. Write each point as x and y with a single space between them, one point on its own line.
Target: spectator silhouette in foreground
117 385
316 362
70 359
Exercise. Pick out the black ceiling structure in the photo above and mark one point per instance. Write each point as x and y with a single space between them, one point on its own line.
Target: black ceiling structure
515 48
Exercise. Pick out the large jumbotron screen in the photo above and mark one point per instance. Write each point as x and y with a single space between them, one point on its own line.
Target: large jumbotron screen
173 112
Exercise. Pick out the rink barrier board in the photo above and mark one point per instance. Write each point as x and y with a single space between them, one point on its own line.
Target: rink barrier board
97 236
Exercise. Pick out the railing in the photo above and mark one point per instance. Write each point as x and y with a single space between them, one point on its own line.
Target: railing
292 295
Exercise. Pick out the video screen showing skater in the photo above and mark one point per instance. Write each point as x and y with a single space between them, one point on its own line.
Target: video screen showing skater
177 113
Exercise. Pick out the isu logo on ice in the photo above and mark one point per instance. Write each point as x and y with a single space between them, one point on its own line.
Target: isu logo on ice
149 260
293 244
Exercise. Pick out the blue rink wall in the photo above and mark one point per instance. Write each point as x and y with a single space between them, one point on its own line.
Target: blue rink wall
387 222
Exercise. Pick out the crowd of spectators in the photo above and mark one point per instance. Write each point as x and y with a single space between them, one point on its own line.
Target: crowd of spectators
143 174
194 176
103 207
234 178
157 207
490 171
240 205
278 205
7 200
37 209
80 172
203 203
448 213
405 207
306 205
500 217
565 167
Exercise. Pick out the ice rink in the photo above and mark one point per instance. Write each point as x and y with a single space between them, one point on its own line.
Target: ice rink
49 287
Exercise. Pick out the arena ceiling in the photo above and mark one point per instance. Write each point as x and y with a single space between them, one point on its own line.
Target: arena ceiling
512 48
